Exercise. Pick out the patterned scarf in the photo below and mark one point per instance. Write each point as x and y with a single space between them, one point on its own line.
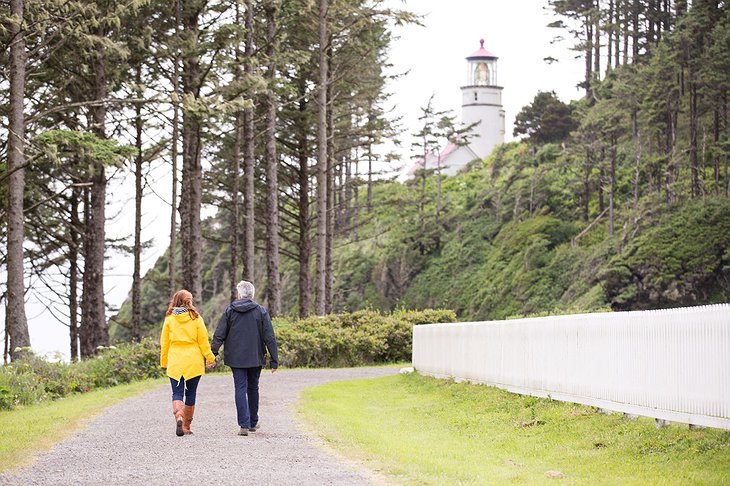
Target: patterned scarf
179 310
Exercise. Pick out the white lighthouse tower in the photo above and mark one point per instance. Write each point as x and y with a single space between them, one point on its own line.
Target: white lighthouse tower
482 102
482 106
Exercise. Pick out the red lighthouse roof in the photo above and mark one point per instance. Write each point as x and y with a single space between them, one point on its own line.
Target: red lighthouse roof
482 53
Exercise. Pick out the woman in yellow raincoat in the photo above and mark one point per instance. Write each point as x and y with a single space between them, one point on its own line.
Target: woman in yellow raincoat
184 346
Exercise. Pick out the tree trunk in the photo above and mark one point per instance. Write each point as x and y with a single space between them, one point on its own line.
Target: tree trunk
6 348
348 193
625 28
609 42
73 275
612 193
356 201
680 8
303 216
249 249
651 23
588 57
635 34
339 195
716 146
724 131
17 322
597 43
671 175
191 191
637 171
694 167
322 163
94 327
587 184
329 240
235 205
171 258
370 175
235 181
136 278
599 186
272 166
616 31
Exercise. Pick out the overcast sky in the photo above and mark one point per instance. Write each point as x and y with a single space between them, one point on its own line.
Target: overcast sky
515 31
434 58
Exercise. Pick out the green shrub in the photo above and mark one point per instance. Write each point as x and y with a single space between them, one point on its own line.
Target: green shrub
426 316
360 338
19 386
116 365
32 379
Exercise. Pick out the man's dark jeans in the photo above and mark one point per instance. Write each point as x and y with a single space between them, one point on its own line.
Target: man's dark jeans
246 381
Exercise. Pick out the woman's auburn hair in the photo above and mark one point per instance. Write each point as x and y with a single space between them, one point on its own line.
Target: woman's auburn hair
183 298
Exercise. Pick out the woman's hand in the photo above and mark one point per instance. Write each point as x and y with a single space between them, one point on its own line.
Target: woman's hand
210 365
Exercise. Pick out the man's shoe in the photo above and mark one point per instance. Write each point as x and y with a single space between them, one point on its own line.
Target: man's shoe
243 431
254 428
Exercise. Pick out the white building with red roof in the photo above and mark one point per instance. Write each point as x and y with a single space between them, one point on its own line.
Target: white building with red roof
482 106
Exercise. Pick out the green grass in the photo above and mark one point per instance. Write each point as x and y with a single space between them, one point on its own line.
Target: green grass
26 431
429 431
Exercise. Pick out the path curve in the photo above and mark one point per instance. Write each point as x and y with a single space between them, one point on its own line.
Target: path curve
133 442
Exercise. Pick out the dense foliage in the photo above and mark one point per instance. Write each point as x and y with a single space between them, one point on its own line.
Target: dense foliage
361 338
32 379
545 120
505 244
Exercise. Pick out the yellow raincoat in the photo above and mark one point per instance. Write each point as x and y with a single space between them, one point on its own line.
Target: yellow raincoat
184 344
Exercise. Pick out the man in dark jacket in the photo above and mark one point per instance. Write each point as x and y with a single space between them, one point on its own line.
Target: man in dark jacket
245 328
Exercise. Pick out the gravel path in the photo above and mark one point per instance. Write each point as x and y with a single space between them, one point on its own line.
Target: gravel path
134 442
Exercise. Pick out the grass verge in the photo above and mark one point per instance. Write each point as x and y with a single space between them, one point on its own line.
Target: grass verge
429 431
26 431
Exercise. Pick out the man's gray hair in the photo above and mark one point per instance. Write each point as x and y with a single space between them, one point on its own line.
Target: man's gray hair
246 290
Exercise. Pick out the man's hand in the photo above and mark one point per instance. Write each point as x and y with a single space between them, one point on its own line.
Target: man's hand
273 370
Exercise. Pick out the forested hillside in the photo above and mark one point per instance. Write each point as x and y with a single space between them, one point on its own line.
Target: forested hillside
618 201
502 246
272 113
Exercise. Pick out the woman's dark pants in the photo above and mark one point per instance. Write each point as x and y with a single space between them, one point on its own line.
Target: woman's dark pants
246 381
187 388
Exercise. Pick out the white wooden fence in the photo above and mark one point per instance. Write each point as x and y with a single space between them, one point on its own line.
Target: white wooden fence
668 364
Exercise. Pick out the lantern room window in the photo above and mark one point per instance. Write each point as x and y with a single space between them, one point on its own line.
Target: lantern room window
481 75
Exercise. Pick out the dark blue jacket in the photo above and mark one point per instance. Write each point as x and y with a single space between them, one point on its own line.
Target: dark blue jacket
245 328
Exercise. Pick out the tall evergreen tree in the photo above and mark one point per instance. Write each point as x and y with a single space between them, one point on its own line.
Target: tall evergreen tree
17 324
321 277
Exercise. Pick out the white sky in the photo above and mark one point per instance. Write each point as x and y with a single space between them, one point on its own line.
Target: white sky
433 56
515 31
